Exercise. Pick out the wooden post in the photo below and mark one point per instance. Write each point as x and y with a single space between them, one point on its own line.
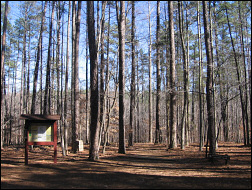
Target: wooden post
26 142
55 140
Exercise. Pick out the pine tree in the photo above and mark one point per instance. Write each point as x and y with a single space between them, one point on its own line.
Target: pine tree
173 95
94 132
209 83
132 87
121 31
158 131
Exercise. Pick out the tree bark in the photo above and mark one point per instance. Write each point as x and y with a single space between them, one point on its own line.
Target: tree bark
200 79
173 96
24 60
167 87
158 135
94 132
239 82
106 129
33 106
28 72
48 67
185 68
87 99
245 78
121 31
223 98
132 86
73 126
102 70
209 83
61 122
76 126
2 68
150 83
58 57
66 124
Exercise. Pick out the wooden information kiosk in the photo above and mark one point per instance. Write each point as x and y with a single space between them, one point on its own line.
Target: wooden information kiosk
40 130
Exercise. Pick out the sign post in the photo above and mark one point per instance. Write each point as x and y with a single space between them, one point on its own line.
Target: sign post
40 130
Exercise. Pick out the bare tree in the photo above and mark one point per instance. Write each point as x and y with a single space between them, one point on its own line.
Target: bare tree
59 13
48 67
209 83
102 70
87 99
94 132
76 94
150 83
185 76
158 135
121 31
173 95
245 97
66 124
132 86
2 68
167 98
33 106
200 79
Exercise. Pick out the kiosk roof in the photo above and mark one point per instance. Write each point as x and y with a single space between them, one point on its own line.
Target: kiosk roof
39 117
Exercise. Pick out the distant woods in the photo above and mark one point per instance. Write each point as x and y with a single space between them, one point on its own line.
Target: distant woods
122 72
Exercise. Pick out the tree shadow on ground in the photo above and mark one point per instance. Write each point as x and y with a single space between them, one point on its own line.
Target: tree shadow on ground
137 169
90 175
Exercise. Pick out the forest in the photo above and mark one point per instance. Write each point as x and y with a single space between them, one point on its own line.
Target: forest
121 73
151 88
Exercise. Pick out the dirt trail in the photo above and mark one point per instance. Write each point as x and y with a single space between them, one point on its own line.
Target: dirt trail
145 166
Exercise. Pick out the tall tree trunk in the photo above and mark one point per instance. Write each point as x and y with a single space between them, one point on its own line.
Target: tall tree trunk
28 72
137 107
158 135
35 80
132 86
150 83
245 78
239 82
213 76
107 89
121 31
185 68
41 79
102 69
20 98
200 79
193 127
58 56
87 99
186 72
76 80
223 98
24 59
94 132
48 67
167 98
209 83
98 24
73 126
66 124
173 96
108 123
51 95
2 69
61 122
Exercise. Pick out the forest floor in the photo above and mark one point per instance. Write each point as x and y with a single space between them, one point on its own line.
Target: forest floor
144 166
